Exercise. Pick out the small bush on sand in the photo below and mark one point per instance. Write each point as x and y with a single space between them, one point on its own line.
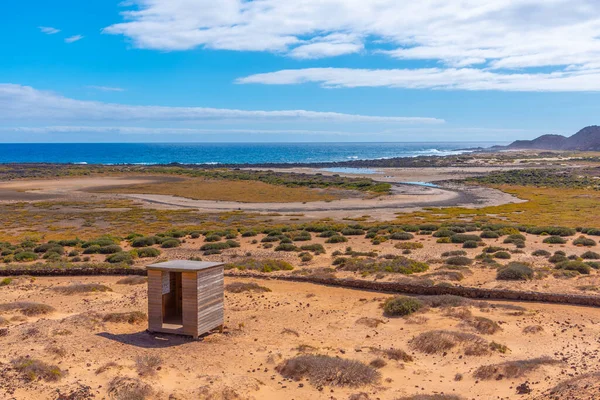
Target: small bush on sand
82 288
317 248
555 240
144 241
401 236
462 238
146 252
401 306
240 287
459 260
121 257
337 239
445 301
409 246
124 388
392 354
29 309
541 253
590 255
331 371
32 369
470 244
531 329
515 272
503 255
483 325
511 369
286 247
25 256
370 322
170 243
583 241
399 265
147 364
454 253
489 235
263 265
578 266
6 281
557 258
132 317
435 342
133 280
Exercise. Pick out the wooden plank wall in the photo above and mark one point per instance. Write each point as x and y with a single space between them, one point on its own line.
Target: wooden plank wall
210 299
155 300
189 301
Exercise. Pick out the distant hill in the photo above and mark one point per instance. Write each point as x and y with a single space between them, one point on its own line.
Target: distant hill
587 139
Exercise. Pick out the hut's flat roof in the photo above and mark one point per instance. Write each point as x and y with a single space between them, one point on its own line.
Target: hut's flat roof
183 265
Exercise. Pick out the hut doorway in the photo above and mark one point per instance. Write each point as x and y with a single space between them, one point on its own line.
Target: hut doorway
172 300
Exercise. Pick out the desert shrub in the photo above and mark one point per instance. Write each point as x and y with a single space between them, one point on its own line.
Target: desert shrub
578 266
442 233
32 369
263 265
29 309
133 280
489 235
124 388
352 231
593 264
454 253
337 239
131 317
470 244
444 301
240 287
493 249
515 272
400 264
409 246
591 231
100 242
511 369
323 370
462 238
327 234
69 242
429 227
541 253
530 329
515 238
401 236
503 255
458 260
555 240
232 243
54 247
146 252
110 249
170 243
93 249
121 257
370 322
392 354
557 258
147 364
249 233
212 238
584 241
483 325
401 306
590 255
214 246
435 342
551 230
317 248
443 240
301 236
286 247
82 288
446 275
25 256
305 257
378 363
143 241
270 239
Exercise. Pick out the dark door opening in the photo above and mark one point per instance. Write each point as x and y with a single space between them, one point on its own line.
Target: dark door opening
172 299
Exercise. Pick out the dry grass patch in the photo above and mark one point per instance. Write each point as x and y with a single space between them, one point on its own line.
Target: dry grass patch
240 287
483 325
29 309
124 388
131 317
533 329
133 280
331 371
77 288
147 364
32 369
511 369
437 342
392 354
575 388
370 322
105 367
57 351
287 331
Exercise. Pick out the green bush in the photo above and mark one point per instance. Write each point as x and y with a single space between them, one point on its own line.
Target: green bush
337 239
143 241
541 253
583 241
212 238
515 272
470 244
249 234
578 266
555 240
590 255
399 265
352 231
317 248
306 257
263 265
443 233
401 306
514 238
54 247
214 246
401 236
454 253
551 230
459 260
504 255
170 243
556 258
25 256
462 238
286 247
110 249
146 252
489 235
121 257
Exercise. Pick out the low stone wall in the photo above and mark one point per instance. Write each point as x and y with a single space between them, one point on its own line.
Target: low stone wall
384 287
407 288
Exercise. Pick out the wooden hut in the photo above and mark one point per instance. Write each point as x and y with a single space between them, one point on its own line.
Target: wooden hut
185 297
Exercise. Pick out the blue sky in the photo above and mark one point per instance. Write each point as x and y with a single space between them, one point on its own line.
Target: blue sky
280 70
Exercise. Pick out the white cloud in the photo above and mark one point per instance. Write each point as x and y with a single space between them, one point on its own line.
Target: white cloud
512 37
48 30
26 103
435 78
106 88
74 38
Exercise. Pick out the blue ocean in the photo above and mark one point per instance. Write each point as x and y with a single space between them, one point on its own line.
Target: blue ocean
221 153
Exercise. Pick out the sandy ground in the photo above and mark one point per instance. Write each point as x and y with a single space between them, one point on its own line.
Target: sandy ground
242 359
404 198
